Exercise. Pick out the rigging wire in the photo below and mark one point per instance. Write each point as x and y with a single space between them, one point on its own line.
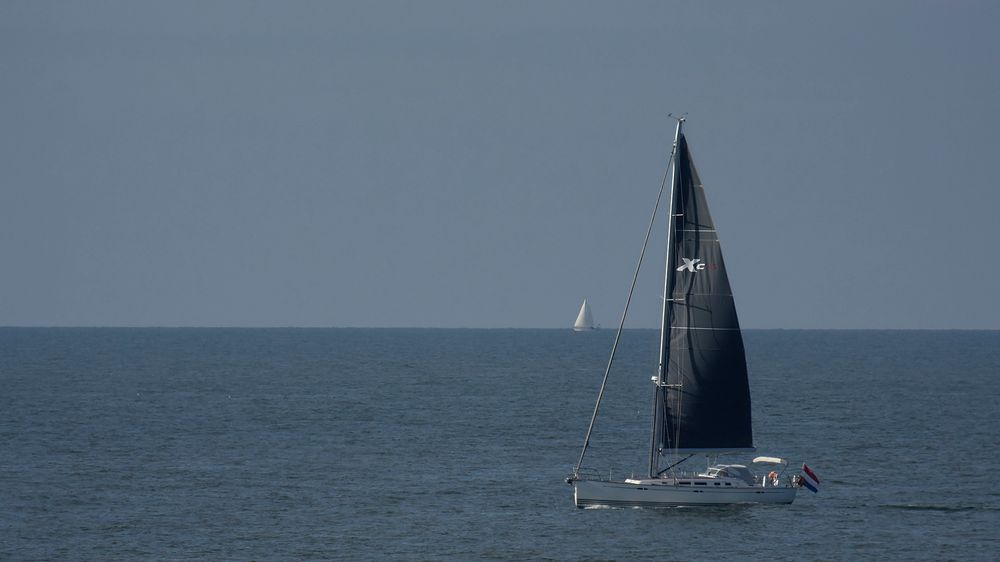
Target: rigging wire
621 325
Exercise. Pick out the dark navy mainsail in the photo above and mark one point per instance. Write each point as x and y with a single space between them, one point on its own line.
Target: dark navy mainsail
704 402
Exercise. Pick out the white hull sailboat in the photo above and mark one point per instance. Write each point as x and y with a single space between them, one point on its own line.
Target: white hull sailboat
719 485
663 492
584 320
701 395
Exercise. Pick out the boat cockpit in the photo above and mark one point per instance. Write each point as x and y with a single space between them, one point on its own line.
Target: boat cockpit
735 471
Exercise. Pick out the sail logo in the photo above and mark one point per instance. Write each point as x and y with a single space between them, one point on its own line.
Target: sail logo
696 264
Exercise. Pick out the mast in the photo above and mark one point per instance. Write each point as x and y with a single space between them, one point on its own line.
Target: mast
661 375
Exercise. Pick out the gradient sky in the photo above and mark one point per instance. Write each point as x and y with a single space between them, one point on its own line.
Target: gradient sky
472 164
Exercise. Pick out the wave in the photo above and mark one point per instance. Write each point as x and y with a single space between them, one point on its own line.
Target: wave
937 507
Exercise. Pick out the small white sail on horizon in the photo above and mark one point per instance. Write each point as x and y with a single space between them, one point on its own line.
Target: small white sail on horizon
584 320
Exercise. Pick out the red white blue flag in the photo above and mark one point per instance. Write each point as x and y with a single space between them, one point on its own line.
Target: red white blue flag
809 479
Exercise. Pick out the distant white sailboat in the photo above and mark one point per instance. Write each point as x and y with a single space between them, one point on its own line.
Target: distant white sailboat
584 320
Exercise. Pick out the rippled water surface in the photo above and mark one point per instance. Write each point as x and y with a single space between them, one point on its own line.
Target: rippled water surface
131 444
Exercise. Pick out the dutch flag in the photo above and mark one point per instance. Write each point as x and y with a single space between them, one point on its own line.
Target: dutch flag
809 479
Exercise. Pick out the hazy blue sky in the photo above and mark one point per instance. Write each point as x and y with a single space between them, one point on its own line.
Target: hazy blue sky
475 164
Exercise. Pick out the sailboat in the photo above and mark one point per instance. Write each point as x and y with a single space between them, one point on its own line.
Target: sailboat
584 320
701 395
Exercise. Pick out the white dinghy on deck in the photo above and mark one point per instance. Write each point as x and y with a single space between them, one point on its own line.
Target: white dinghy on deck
701 394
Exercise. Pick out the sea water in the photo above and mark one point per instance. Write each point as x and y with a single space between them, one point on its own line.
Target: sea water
217 444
